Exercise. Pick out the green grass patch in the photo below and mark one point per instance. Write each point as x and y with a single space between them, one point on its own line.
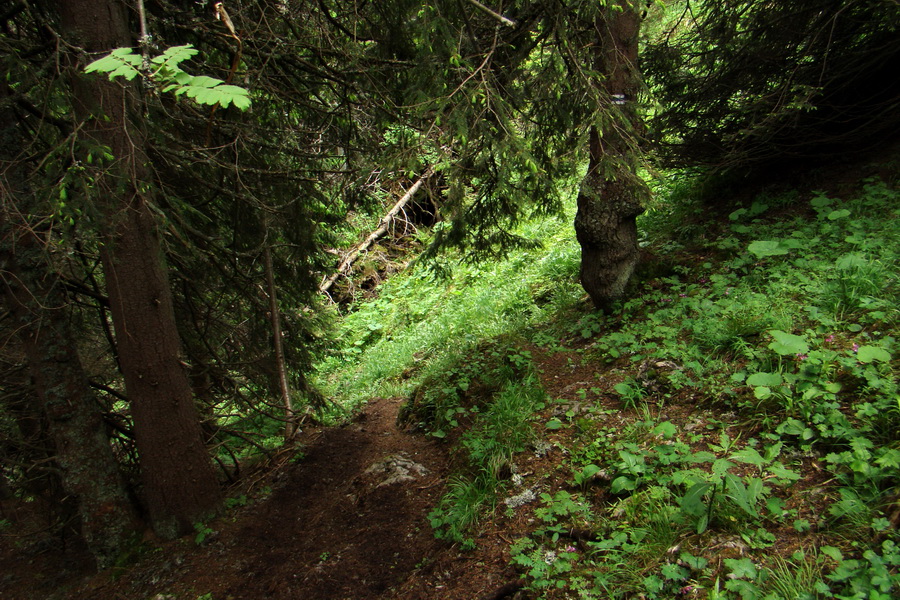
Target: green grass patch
422 322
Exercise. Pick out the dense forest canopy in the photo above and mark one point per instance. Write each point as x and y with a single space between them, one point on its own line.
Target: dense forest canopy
754 83
162 252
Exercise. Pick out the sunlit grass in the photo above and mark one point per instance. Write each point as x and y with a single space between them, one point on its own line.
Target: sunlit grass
421 322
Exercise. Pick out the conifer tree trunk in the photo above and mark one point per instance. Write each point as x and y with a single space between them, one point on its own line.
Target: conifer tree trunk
277 344
612 195
87 468
179 484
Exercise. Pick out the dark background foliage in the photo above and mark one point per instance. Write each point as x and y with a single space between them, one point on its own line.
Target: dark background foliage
751 83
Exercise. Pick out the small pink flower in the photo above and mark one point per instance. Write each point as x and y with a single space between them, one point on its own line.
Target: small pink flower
570 549
829 339
802 357
855 347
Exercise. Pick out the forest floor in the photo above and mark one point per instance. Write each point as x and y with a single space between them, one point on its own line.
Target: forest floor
344 515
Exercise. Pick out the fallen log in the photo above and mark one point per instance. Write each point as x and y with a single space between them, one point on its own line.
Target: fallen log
354 253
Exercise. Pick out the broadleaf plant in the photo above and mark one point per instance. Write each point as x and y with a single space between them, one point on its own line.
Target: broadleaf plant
165 71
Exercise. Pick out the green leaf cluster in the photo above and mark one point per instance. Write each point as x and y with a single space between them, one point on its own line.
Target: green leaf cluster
165 71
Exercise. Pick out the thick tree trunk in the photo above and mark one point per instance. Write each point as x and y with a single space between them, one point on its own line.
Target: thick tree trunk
179 484
612 195
87 468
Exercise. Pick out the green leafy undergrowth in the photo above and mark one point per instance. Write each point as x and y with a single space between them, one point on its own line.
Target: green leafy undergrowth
422 324
660 512
739 438
496 402
785 335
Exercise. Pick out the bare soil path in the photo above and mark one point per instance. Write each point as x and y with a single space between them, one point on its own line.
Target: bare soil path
347 518
351 519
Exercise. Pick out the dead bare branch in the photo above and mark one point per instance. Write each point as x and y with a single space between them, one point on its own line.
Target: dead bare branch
354 253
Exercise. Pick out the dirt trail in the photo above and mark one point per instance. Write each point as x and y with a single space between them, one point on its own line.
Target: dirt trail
351 519
347 519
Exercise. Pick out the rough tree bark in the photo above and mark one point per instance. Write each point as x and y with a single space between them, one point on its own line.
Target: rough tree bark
88 470
179 484
612 195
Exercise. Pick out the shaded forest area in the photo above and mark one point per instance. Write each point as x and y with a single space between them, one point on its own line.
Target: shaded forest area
187 228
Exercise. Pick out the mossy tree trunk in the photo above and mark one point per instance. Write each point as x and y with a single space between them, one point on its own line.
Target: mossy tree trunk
612 195
179 484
